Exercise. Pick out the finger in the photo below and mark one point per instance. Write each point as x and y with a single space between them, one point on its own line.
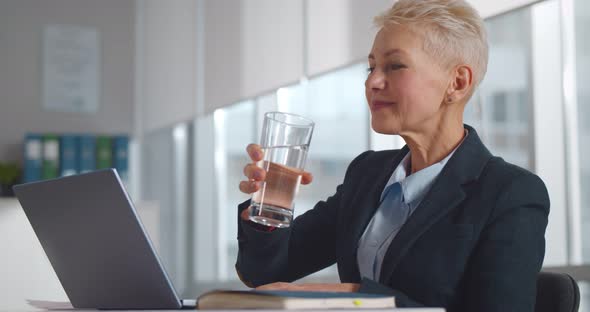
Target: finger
331 287
249 187
253 172
255 152
275 286
306 178
245 214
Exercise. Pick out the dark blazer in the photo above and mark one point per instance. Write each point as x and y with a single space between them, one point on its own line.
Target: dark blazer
475 243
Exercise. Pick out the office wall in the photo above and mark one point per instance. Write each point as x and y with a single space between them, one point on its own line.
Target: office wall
248 47
21 68
166 56
251 47
340 32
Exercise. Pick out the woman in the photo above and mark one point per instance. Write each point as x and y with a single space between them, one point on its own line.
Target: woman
440 222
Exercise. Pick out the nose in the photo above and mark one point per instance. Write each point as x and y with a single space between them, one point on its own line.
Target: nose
375 81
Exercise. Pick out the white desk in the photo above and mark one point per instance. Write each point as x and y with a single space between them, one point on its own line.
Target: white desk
360 310
35 306
65 306
26 274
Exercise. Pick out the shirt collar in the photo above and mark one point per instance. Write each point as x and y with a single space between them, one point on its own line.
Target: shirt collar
415 186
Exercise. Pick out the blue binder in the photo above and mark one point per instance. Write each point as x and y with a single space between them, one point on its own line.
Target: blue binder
121 156
33 157
69 149
87 154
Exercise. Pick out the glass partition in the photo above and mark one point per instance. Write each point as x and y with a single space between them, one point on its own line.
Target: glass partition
234 129
501 110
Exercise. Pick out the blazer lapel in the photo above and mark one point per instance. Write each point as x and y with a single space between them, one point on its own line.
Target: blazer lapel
367 205
446 193
370 202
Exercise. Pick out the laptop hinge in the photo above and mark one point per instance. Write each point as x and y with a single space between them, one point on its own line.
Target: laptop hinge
188 304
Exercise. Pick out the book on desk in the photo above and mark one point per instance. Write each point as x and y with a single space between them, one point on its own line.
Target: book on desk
291 300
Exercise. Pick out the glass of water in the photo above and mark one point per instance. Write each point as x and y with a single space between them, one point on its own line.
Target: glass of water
285 140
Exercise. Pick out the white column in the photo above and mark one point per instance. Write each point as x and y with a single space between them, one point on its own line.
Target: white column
570 94
549 124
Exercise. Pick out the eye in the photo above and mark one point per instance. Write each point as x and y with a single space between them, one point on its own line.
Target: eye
370 69
396 66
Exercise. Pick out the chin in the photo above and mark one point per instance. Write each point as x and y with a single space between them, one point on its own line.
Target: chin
383 127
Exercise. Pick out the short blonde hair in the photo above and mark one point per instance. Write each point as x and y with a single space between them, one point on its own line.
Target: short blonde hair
452 30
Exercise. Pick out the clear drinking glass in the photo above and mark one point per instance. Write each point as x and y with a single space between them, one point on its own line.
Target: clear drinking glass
285 140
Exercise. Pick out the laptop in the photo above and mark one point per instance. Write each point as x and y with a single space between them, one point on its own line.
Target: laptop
96 243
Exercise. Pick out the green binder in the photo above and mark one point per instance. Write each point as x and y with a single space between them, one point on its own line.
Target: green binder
50 157
104 152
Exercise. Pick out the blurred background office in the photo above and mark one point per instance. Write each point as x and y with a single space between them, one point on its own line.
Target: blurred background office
182 86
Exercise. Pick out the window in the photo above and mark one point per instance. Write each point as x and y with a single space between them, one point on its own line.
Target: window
335 102
501 110
234 130
337 105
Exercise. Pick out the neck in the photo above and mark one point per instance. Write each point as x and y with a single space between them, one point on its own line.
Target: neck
432 144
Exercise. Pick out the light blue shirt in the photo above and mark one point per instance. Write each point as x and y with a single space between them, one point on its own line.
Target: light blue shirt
370 253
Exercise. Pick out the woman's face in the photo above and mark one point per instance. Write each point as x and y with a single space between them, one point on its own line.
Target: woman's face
405 88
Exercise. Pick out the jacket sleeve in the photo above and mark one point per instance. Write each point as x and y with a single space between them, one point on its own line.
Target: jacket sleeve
288 254
502 271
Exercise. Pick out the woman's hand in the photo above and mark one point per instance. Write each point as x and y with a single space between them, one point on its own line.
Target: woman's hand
256 174
341 287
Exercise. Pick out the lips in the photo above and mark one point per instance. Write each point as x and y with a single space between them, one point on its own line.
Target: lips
377 105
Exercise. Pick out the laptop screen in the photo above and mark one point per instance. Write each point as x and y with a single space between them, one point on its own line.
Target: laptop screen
94 240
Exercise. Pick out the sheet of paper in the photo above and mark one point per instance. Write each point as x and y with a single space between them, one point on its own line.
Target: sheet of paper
71 63
50 305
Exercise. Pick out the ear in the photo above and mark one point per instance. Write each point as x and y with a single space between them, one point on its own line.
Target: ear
461 84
